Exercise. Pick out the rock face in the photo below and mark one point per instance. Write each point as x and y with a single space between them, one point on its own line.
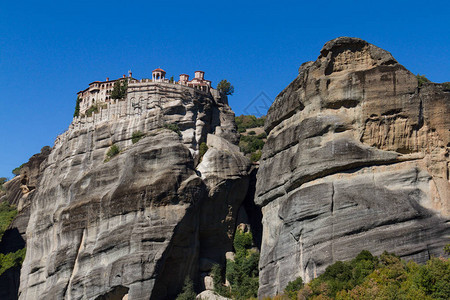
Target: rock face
357 157
19 192
136 224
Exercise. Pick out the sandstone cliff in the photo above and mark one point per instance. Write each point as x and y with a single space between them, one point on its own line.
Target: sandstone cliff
357 157
138 223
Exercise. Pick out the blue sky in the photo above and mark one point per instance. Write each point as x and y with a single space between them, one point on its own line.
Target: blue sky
49 50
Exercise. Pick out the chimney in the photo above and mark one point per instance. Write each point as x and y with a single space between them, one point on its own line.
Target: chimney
123 76
107 78
129 73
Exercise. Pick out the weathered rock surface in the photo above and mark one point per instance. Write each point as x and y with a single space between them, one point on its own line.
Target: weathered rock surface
210 295
137 224
18 192
357 157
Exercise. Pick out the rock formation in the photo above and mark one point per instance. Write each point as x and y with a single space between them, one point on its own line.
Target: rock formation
19 192
357 157
136 224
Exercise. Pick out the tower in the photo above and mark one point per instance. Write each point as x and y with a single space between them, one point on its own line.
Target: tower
158 75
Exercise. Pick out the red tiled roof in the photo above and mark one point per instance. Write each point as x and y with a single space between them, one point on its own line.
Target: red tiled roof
159 70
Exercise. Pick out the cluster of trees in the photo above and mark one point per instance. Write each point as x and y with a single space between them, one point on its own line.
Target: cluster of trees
11 259
244 122
372 277
251 143
242 272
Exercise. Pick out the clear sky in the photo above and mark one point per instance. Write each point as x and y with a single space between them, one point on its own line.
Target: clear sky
50 50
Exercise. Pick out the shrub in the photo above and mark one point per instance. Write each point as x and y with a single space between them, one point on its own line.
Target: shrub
256 156
91 110
262 135
293 287
421 79
136 136
113 151
174 128
249 144
202 149
446 86
447 249
187 292
252 132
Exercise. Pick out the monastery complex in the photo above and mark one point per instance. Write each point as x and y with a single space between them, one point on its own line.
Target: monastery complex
99 92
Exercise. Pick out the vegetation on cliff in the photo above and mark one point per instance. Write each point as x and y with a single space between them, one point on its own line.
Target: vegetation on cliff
16 171
421 79
242 272
136 136
250 142
119 89
2 181
244 122
77 107
372 277
188 292
112 151
12 259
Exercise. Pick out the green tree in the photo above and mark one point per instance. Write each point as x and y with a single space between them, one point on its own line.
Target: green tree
16 171
219 288
293 287
242 273
225 87
174 128
187 292
77 107
119 89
